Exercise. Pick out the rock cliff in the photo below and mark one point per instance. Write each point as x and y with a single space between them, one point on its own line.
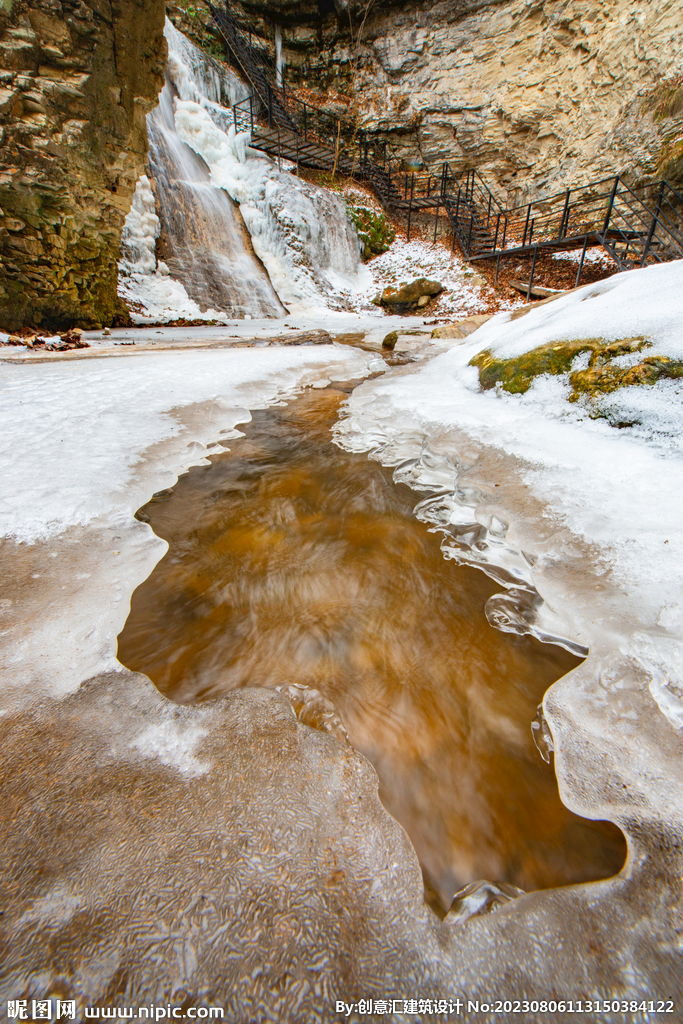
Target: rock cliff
536 94
76 80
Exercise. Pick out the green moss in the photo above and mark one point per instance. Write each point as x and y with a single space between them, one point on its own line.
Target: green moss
374 231
600 377
603 379
517 375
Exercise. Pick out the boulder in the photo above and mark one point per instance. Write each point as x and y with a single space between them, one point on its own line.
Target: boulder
461 328
408 297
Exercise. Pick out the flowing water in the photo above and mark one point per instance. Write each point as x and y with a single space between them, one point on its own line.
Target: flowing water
203 240
294 562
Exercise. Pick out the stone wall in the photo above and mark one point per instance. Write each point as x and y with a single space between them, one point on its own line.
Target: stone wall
77 78
536 94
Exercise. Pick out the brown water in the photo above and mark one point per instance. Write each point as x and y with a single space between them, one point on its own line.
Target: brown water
292 561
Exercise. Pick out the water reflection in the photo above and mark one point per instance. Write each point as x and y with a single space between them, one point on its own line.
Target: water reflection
292 561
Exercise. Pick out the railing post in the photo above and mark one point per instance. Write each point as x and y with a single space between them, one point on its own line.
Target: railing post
608 215
457 205
488 213
531 276
583 256
526 224
469 237
565 216
436 218
495 240
655 221
410 207
531 230
495 280
505 230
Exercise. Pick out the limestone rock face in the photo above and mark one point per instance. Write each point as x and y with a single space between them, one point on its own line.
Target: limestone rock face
76 81
536 94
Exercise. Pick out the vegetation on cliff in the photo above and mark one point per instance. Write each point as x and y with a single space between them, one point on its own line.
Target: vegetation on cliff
374 230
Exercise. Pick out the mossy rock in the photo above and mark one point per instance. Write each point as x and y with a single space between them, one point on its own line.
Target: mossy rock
602 380
373 229
518 374
600 377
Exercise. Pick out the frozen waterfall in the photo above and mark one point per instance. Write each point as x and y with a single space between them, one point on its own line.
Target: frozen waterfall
185 249
225 229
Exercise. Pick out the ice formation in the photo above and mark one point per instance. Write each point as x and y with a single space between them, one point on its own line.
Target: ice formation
301 233
611 498
92 422
207 270
85 444
145 283
231 855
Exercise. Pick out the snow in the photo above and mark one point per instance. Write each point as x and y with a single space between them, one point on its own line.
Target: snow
619 492
173 746
641 302
595 255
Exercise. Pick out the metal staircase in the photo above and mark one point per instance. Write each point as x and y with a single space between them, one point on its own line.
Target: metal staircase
282 125
636 227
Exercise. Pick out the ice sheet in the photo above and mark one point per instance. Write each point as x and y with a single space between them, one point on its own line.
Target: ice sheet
73 434
227 854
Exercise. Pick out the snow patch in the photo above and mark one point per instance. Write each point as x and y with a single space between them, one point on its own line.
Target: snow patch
174 746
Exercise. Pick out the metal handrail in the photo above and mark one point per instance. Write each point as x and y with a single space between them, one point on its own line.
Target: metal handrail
610 211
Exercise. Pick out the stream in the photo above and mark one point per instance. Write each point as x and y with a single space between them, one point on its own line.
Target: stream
294 563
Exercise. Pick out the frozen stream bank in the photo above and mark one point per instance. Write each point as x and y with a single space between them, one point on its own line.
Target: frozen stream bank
135 830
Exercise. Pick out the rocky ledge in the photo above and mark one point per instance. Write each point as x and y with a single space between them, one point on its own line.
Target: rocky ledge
76 81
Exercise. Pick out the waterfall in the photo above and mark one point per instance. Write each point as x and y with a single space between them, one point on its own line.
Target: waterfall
233 234
188 254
